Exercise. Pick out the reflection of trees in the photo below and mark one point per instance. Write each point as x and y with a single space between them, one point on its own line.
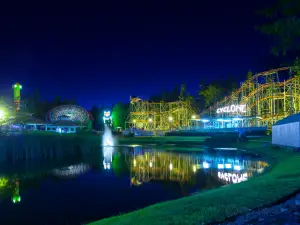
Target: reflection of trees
119 164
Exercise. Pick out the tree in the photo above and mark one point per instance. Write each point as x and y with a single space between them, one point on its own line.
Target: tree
119 114
283 25
211 94
165 96
296 67
56 101
182 92
97 115
249 74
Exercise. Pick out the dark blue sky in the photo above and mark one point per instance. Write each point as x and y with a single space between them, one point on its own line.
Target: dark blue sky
105 53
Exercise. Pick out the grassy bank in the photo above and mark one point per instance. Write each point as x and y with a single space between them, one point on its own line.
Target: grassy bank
216 205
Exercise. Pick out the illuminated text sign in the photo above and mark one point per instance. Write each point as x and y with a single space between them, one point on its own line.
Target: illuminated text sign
232 108
232 177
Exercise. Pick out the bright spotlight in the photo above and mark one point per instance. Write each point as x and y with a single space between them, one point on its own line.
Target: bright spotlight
193 117
134 121
150 120
2 114
171 166
170 118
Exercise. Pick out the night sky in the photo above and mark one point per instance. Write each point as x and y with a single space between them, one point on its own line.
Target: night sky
102 54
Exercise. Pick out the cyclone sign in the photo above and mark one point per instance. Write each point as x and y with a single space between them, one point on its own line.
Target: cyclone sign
232 109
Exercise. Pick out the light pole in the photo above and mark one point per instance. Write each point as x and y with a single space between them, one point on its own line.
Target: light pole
150 120
170 121
134 121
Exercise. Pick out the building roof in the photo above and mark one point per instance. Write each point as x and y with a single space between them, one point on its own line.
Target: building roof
36 121
66 123
290 119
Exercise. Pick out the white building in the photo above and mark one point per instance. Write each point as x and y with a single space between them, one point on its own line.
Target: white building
286 132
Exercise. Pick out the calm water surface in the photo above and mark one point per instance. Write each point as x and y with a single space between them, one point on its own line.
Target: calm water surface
88 186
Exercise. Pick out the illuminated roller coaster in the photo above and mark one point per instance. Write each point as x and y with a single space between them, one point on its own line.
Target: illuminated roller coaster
159 115
266 98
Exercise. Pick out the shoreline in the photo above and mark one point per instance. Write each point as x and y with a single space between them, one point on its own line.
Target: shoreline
228 202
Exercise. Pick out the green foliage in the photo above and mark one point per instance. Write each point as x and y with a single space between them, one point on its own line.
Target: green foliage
249 74
119 164
211 94
283 25
296 66
90 125
97 114
182 92
119 114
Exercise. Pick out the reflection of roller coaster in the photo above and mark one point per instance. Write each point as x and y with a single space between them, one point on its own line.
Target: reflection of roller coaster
152 165
266 97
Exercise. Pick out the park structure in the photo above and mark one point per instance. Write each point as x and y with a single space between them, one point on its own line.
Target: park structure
161 115
261 101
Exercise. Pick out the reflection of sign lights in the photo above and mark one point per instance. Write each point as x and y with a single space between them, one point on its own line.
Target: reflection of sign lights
205 165
232 177
232 108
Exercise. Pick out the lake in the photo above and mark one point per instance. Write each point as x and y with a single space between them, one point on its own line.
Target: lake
91 185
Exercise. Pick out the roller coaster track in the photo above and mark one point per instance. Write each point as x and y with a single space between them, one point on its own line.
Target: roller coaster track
265 95
156 115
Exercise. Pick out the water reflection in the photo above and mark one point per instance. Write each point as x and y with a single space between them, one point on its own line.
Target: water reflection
149 165
135 176
72 170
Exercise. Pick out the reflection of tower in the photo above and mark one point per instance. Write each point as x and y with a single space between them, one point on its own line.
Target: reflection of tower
16 198
107 154
17 95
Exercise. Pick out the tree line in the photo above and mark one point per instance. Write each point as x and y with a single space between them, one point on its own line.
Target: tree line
40 107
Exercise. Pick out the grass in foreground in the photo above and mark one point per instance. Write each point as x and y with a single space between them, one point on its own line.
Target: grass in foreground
219 204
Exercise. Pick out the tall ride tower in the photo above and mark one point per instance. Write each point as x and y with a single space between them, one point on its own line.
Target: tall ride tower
17 95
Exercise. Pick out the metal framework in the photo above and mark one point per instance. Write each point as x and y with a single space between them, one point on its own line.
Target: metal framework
159 115
266 97
73 113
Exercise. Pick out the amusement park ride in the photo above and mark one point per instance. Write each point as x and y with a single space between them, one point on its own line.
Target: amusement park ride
266 97
260 101
159 115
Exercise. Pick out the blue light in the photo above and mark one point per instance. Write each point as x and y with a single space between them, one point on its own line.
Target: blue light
206 165
220 166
